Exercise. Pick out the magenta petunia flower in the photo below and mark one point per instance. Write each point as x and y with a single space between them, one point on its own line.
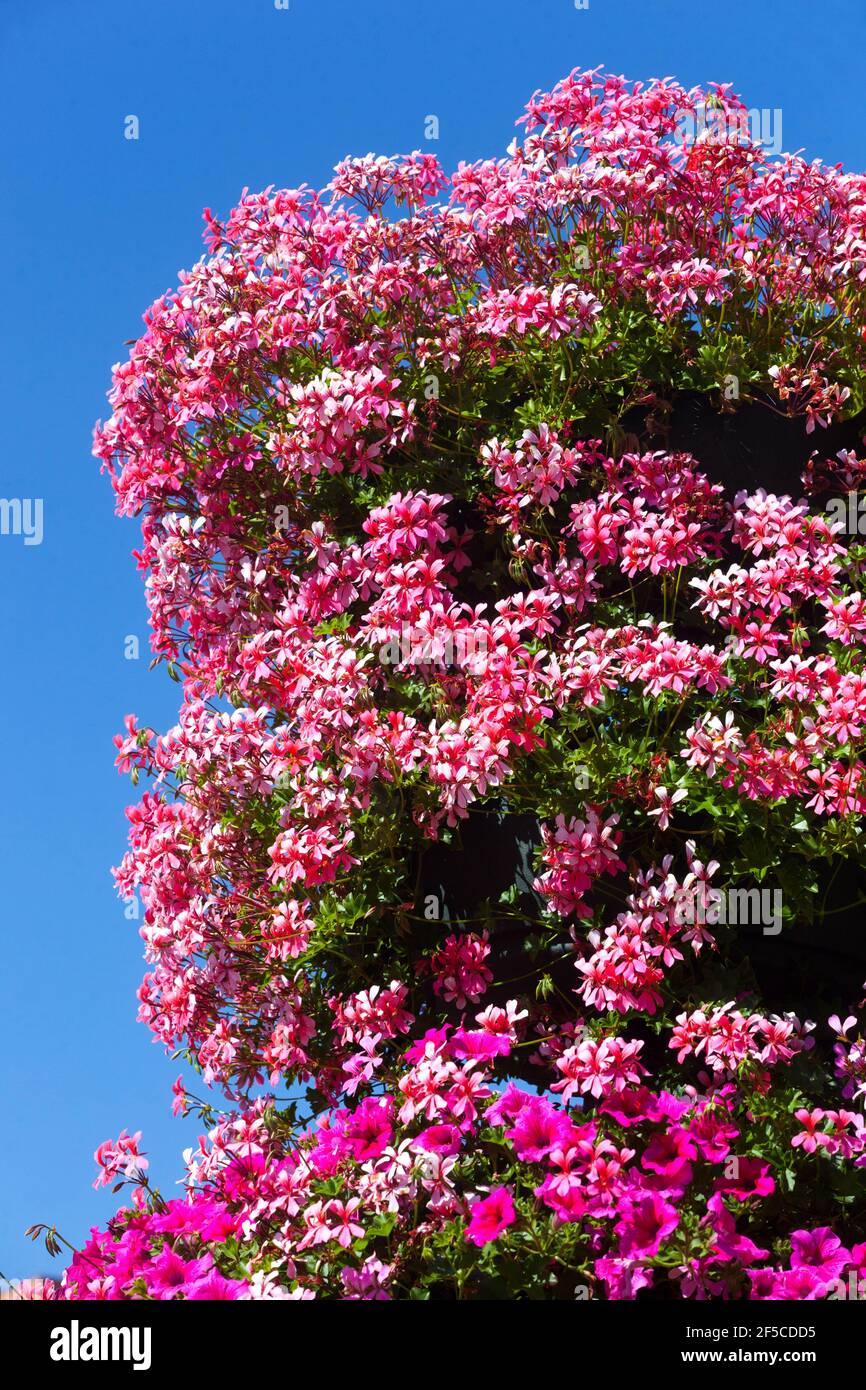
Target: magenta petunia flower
646 1223
540 1128
215 1286
490 1217
820 1249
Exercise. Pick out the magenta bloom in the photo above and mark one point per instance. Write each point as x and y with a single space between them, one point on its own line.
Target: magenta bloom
669 1155
479 1044
538 1129
444 1140
369 1130
508 1106
214 1222
170 1274
624 1278
629 1107
730 1245
130 1256
490 1216
648 1222
802 1285
819 1249
752 1180
216 1287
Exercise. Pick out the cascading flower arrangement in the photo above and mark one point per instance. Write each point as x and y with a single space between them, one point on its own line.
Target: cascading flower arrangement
495 696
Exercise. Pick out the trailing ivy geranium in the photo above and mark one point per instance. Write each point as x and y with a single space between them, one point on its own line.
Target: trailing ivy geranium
512 819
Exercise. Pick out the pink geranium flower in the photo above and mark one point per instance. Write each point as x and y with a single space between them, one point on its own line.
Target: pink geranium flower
810 1136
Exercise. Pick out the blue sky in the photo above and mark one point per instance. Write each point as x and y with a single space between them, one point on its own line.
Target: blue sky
228 94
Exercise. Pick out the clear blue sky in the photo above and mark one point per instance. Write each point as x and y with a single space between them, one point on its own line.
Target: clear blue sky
229 93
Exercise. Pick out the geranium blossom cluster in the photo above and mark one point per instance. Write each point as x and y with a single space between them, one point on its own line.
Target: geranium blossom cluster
397 406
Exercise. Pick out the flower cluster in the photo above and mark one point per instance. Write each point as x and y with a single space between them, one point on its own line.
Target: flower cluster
438 898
